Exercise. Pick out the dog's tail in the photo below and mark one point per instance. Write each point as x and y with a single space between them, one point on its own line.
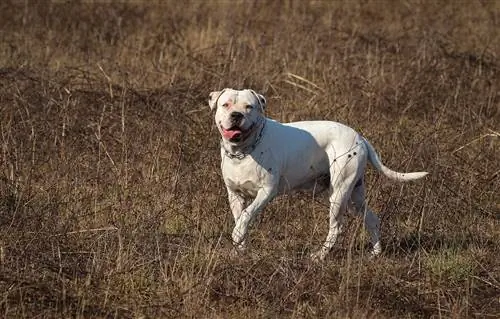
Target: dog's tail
377 163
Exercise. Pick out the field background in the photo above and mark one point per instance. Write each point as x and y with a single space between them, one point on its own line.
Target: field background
111 199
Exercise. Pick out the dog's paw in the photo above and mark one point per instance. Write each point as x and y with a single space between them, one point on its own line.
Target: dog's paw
372 255
234 253
375 251
238 250
318 256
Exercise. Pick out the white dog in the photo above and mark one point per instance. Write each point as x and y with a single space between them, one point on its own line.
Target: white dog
262 158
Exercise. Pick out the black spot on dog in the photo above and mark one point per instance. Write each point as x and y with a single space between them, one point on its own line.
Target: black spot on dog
358 183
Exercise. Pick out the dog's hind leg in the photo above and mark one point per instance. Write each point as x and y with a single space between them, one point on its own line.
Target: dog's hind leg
372 222
341 187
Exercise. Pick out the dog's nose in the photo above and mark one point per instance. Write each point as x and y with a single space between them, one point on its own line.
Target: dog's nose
236 116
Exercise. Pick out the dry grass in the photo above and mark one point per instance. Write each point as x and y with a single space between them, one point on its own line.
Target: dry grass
111 200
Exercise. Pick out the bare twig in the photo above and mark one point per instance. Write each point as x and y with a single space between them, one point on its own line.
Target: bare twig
492 134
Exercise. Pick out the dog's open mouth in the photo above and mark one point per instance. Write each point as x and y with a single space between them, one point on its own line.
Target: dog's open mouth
234 133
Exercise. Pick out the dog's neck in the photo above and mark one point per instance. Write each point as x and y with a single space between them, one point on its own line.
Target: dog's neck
241 149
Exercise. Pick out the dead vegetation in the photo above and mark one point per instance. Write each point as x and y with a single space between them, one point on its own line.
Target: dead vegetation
111 201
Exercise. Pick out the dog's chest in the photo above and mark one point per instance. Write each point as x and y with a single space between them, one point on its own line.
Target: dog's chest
246 188
243 178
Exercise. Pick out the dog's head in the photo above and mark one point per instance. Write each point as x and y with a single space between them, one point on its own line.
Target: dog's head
237 112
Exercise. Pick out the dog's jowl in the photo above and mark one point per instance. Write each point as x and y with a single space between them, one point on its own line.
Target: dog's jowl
262 158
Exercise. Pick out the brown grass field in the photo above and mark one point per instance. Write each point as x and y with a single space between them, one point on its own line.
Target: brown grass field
111 198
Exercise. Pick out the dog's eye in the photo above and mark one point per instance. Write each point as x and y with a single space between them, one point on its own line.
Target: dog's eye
225 105
249 106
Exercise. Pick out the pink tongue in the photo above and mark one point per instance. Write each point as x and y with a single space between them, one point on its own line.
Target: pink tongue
230 134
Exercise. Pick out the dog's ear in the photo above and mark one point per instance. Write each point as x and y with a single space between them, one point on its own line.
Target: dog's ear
261 99
213 97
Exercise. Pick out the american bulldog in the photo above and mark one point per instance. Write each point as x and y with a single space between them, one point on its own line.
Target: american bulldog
262 158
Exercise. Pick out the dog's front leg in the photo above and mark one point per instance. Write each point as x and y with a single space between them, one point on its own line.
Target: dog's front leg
236 202
264 196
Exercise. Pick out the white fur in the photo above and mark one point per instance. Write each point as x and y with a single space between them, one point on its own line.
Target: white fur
275 158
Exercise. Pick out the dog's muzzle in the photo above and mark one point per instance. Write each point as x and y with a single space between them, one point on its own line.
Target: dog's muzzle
234 133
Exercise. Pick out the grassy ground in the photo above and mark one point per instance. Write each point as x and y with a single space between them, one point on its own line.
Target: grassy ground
111 199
